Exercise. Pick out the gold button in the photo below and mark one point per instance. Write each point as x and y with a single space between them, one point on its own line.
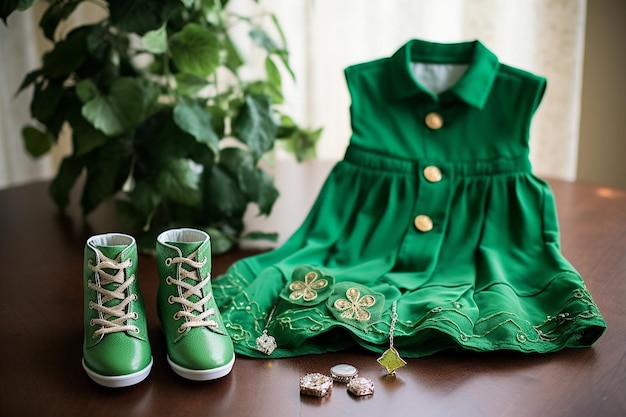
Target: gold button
423 223
432 173
434 120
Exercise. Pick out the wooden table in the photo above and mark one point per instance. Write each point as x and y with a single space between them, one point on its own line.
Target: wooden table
41 329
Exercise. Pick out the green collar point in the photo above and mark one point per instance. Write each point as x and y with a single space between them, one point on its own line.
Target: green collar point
474 86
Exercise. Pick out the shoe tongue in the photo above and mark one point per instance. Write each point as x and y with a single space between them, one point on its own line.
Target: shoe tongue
187 248
113 251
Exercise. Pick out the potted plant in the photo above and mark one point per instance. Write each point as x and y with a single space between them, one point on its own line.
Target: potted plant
161 119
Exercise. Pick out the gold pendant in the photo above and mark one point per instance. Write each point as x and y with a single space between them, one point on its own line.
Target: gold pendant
391 360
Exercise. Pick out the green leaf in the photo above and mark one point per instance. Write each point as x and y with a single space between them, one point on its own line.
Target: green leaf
258 235
188 84
140 16
107 169
85 137
30 78
46 100
100 42
272 87
195 50
253 181
138 208
263 40
234 159
196 121
180 183
127 103
233 58
261 87
260 186
37 143
9 6
60 187
155 41
67 56
224 193
279 28
220 241
273 75
284 57
86 90
302 143
160 140
286 127
55 13
254 124
283 54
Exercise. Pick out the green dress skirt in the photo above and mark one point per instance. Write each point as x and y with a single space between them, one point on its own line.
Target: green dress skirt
433 214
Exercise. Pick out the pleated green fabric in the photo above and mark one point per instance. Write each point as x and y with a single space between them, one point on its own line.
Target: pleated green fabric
434 209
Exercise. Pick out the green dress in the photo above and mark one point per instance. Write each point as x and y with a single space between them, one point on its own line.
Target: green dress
433 213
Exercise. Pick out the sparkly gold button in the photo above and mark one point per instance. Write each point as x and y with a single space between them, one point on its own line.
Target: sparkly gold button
423 223
434 120
432 173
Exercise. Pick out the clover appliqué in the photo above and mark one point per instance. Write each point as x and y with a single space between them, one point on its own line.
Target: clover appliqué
307 289
308 286
354 306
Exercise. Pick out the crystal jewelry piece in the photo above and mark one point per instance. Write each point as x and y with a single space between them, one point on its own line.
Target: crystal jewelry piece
343 372
266 342
316 385
360 386
391 359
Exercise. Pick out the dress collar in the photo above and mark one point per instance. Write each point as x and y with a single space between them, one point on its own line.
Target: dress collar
473 87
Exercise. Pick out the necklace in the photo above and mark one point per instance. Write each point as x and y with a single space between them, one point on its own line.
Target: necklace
266 343
391 359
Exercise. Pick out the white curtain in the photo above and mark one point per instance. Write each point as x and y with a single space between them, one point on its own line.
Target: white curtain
21 48
19 54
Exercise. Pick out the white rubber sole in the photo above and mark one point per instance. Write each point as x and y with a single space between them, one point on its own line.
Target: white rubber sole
201 374
118 381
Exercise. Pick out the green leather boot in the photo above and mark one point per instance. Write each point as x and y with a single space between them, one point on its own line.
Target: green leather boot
198 346
116 350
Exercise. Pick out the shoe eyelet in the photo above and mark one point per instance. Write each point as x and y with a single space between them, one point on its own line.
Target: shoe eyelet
168 261
176 315
170 299
181 330
91 322
168 280
135 330
134 297
135 316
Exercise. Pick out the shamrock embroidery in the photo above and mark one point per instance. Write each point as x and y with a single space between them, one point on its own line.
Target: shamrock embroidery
307 289
308 286
354 306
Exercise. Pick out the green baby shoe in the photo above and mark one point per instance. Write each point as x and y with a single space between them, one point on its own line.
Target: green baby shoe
116 350
198 345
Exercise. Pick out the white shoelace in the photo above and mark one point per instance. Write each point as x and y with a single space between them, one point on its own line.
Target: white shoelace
190 307
117 312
